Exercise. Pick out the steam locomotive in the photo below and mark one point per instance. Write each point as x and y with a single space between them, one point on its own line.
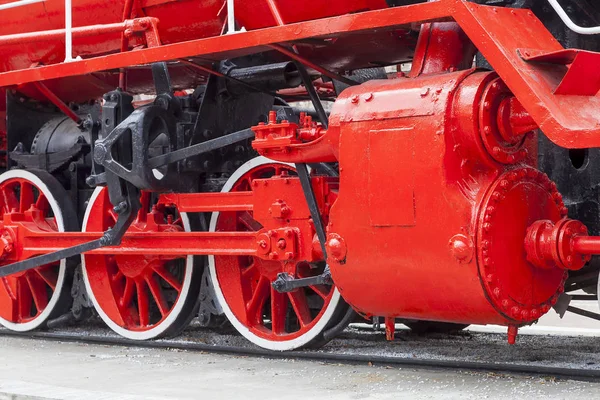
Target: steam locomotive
289 168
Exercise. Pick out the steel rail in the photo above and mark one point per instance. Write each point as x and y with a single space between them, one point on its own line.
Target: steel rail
350 359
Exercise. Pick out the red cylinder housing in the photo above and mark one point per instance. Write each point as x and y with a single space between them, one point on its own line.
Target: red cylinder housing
440 203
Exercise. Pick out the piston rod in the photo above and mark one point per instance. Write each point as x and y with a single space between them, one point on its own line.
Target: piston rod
564 244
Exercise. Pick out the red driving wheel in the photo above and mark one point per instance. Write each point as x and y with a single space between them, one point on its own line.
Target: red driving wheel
29 299
277 321
140 297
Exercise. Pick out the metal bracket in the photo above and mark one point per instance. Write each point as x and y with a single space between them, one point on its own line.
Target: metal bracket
132 139
313 207
287 283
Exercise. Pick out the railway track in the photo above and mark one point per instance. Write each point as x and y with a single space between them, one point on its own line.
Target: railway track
547 356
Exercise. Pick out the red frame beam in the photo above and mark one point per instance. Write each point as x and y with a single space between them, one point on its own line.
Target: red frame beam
568 120
241 43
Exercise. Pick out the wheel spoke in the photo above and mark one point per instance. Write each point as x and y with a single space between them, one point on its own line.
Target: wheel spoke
142 298
24 299
164 273
26 196
127 293
49 274
157 294
42 203
249 222
245 184
278 311
300 306
322 290
9 288
250 270
38 291
113 214
9 199
117 276
256 303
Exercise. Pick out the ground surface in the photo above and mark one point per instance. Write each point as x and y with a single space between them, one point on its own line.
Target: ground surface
36 369
33 369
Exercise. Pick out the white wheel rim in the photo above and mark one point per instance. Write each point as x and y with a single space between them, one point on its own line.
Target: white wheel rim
239 326
177 307
40 319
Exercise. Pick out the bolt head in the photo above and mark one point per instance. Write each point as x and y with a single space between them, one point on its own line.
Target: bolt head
461 248
99 153
336 247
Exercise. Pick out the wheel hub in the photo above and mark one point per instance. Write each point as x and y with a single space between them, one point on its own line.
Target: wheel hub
141 267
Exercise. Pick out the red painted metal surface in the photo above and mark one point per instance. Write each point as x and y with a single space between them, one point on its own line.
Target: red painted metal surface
246 281
442 214
418 149
201 20
3 142
124 285
25 296
274 204
512 29
561 244
414 147
127 27
219 47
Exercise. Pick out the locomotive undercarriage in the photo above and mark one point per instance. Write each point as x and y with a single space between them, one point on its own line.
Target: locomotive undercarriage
62 147
226 199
